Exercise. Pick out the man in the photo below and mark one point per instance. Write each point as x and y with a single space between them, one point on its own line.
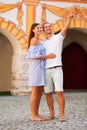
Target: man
54 74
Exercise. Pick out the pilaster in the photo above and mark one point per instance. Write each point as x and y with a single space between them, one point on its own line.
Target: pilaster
31 9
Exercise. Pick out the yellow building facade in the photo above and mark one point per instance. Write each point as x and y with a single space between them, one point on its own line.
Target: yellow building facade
15 22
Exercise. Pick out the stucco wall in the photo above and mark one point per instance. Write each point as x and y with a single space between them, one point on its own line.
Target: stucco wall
17 76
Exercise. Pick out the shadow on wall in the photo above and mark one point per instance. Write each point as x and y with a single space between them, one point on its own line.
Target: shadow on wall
6 54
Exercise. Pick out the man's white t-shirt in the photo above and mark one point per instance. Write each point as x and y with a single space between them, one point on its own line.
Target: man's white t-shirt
54 45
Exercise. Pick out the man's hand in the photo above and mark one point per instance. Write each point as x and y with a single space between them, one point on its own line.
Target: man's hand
71 16
51 55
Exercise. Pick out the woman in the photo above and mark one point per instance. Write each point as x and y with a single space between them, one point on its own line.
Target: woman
37 56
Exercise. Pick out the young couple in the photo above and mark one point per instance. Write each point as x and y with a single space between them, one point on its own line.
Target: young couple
45 68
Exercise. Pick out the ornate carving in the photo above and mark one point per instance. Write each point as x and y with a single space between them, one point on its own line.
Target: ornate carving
79 12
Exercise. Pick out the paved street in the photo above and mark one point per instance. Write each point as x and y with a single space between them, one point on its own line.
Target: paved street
15 113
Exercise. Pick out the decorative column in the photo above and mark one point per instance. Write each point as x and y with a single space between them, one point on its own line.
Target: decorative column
31 9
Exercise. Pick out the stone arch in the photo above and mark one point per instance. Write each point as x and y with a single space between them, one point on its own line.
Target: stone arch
76 35
74 24
18 33
14 61
18 71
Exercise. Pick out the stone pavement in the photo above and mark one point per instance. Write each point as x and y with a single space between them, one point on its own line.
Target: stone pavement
15 113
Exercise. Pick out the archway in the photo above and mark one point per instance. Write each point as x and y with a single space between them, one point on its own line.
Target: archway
16 32
6 54
74 67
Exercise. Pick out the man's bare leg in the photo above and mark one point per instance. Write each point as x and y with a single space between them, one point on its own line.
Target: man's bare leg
50 102
61 102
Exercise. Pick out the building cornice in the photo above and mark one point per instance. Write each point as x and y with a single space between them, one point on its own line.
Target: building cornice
73 1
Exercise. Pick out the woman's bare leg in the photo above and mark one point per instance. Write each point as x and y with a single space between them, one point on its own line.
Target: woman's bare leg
34 103
39 97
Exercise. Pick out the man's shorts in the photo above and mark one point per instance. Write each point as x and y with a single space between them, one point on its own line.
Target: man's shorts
54 80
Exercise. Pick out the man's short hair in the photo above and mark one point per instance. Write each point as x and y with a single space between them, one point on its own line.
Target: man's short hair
44 24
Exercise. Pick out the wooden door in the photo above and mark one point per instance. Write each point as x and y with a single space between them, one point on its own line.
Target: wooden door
74 67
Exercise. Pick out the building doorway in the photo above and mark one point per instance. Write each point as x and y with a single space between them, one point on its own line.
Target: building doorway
74 67
6 54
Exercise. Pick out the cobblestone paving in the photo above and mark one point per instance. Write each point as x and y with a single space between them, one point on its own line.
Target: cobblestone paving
15 113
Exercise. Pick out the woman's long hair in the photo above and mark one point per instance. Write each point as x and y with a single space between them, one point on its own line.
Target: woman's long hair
31 32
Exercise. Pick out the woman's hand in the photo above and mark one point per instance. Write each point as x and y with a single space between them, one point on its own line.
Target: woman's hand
49 56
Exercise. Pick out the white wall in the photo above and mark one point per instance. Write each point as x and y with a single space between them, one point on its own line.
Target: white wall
12 14
52 18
